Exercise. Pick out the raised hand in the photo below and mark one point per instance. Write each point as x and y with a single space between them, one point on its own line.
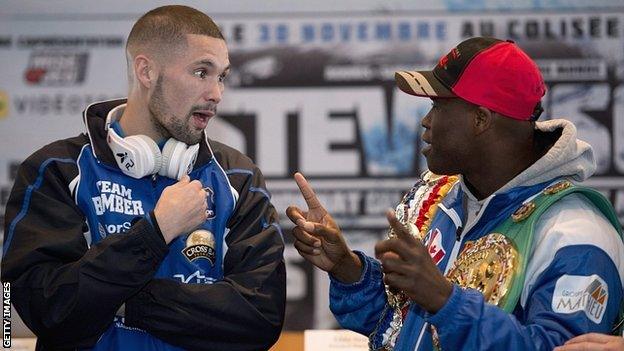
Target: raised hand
318 238
408 267
181 208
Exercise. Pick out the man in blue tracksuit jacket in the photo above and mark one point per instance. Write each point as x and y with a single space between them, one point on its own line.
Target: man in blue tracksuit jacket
143 234
486 97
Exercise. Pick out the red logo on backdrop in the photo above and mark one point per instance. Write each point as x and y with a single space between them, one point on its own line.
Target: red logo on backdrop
34 75
433 242
56 68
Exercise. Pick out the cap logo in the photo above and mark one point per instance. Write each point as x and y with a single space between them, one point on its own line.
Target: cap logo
453 54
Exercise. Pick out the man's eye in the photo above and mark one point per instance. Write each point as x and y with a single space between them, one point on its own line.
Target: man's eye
222 78
201 73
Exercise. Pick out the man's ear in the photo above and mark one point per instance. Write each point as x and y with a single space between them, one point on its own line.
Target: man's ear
483 119
144 71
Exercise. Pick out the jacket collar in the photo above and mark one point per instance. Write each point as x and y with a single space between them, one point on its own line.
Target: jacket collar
568 157
497 207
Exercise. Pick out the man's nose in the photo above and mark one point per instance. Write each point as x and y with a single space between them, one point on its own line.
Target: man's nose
426 121
214 92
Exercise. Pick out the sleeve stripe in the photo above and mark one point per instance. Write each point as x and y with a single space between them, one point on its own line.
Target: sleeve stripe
238 171
27 197
260 190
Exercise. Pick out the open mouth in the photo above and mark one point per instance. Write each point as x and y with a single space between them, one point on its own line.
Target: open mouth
201 118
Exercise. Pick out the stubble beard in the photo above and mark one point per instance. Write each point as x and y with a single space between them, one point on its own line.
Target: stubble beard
167 124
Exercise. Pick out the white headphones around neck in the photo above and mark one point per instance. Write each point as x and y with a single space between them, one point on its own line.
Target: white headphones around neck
138 155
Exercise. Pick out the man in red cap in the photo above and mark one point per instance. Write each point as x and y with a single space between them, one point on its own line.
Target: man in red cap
495 248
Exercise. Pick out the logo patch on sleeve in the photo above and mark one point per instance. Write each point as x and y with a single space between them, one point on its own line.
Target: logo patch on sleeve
574 293
433 242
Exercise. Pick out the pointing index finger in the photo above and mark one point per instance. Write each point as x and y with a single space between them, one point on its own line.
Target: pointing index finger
308 193
402 231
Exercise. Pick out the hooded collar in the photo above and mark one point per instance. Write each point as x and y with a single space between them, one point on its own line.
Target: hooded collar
569 157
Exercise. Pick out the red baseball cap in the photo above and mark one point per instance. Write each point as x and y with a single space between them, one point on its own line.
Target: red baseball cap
488 72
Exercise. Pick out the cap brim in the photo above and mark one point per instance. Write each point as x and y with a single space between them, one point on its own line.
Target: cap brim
421 83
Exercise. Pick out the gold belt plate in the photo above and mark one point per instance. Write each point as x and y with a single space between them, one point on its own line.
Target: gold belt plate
488 265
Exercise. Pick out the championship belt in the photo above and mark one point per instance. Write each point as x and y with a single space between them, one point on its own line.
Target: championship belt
495 264
491 263
487 265
415 211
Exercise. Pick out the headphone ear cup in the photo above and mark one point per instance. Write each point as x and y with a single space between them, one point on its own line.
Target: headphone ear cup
152 155
171 156
188 160
136 156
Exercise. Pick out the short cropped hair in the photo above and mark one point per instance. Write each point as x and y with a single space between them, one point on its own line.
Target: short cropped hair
164 28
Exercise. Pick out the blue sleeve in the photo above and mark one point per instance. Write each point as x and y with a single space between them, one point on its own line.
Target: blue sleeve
358 306
571 297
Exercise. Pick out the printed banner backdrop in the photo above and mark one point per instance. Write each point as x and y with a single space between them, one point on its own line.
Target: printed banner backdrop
314 92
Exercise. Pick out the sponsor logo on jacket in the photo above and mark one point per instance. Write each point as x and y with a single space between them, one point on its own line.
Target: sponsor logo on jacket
197 277
210 201
574 293
200 244
116 228
116 198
